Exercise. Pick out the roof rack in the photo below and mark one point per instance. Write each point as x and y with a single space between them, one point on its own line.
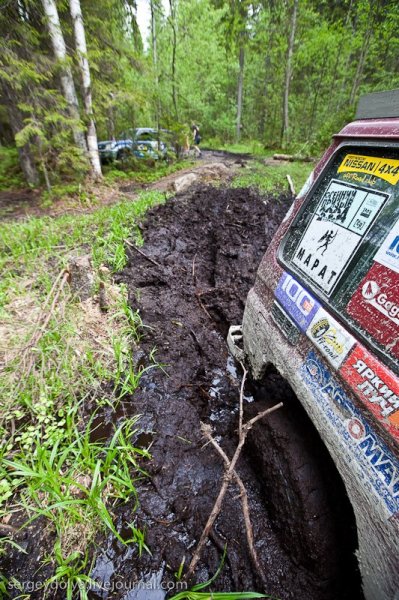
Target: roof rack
378 105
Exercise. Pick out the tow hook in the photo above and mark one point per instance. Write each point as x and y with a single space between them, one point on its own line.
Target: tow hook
234 342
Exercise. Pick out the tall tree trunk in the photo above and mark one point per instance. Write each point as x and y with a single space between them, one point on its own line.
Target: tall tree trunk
316 93
80 41
174 47
154 41
26 159
111 118
240 86
360 67
67 84
288 73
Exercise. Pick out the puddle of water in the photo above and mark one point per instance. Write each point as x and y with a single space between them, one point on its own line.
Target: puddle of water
231 367
102 573
215 388
147 588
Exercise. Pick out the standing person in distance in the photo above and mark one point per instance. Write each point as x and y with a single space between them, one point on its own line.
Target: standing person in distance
196 138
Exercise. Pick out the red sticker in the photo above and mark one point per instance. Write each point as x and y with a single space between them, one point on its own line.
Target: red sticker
375 306
375 385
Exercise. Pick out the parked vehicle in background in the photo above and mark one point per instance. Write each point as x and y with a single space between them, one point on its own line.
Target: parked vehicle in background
142 143
324 312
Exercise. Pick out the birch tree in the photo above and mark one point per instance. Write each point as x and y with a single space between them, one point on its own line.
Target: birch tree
67 83
172 20
154 44
80 41
288 75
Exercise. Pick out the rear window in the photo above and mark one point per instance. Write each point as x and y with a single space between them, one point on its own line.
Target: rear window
344 244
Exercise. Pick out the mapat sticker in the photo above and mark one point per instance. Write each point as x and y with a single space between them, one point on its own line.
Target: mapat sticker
388 254
344 214
330 338
371 461
297 301
384 168
375 306
375 385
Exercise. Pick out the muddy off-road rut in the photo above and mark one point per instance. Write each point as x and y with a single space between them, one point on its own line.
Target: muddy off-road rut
205 247
189 282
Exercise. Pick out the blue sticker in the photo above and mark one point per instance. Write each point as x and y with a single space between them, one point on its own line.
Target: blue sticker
373 461
297 301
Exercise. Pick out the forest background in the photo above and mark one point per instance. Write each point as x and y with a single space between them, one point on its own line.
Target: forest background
266 74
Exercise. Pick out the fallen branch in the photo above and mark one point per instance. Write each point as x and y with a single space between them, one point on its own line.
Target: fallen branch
207 432
230 472
293 157
151 260
291 184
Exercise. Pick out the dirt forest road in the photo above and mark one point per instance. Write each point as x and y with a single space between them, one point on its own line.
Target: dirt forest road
202 250
189 282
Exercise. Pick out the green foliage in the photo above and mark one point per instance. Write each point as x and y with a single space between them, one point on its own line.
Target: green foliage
273 179
53 464
10 171
70 570
340 51
142 172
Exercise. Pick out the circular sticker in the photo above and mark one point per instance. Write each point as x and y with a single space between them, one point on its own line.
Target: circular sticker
356 429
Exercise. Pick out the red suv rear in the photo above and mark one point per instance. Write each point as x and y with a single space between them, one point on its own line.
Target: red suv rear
324 311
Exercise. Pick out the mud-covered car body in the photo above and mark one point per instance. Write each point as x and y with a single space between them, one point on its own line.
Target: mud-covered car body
324 311
143 142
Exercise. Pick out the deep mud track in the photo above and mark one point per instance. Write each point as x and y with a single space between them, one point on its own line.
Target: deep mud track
202 251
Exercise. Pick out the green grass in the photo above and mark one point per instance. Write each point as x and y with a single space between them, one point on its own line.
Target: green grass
49 465
143 172
273 179
253 147
195 594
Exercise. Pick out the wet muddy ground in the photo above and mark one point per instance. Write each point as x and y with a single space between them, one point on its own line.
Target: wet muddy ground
199 260
203 250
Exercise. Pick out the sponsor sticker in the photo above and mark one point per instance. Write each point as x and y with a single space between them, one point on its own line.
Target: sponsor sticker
330 338
375 385
370 459
375 306
297 301
344 214
384 168
388 254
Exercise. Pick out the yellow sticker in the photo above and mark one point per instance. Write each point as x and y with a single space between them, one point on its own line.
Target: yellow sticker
385 168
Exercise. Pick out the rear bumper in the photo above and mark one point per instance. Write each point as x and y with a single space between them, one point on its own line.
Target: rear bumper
331 410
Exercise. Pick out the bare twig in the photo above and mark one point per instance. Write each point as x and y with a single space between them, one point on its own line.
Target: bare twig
151 260
228 475
6 529
207 432
202 305
241 410
291 184
193 267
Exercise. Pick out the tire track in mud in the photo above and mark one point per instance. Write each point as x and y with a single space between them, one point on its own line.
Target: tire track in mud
208 244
